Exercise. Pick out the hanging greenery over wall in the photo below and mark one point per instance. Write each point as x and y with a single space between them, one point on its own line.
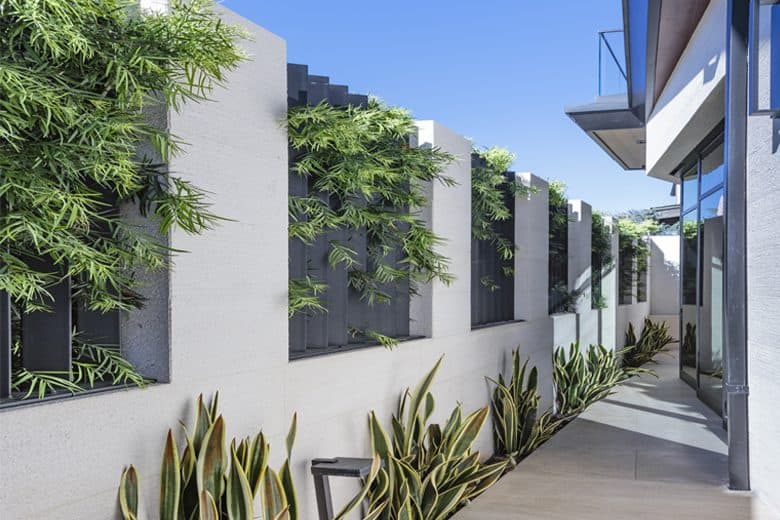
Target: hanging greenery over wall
489 184
601 257
560 299
78 81
360 159
632 239
632 244
76 78
558 200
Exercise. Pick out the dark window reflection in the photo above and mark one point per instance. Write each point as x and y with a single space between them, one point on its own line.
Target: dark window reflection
690 248
711 303
690 192
712 169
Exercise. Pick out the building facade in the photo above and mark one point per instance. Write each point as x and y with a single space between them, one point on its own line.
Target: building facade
696 111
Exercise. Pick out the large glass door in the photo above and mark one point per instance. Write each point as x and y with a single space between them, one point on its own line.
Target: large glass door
701 273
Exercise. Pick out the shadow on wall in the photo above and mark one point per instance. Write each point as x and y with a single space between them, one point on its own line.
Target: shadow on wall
671 269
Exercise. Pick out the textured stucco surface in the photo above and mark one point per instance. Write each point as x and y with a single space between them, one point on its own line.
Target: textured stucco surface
579 253
665 275
763 278
439 309
691 103
227 316
532 235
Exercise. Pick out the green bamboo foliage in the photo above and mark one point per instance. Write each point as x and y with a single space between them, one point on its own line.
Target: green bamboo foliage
582 378
214 479
654 339
79 81
359 158
601 257
76 79
515 407
92 364
429 469
489 185
632 241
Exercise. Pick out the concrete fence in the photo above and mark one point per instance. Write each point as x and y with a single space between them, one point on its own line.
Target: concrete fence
218 321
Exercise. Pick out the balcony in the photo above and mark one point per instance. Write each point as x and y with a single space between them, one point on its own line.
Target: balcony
610 119
613 80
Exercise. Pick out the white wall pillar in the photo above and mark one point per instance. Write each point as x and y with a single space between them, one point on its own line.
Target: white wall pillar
441 310
580 218
609 291
531 256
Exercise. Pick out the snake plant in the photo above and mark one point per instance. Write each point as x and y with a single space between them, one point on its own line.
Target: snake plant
654 338
515 405
429 469
582 378
215 480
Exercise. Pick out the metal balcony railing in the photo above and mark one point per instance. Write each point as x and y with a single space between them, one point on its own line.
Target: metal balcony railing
612 63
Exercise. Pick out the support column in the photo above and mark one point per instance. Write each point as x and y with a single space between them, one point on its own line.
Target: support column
580 222
531 237
441 310
735 290
608 333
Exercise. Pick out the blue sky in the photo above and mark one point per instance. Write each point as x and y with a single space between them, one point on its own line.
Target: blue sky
499 72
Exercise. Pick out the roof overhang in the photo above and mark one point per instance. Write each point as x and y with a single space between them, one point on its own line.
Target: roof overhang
611 123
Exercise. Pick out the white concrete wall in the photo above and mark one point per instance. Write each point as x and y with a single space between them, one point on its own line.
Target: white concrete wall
439 309
599 326
609 291
579 253
228 326
635 312
691 103
763 237
626 314
531 256
665 274
227 317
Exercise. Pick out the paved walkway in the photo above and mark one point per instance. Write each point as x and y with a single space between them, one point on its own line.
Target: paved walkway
650 451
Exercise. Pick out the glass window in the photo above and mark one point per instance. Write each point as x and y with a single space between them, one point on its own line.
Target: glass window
690 251
690 191
711 231
712 169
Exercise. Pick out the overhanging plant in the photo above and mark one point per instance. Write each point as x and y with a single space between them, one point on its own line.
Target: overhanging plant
561 299
77 78
365 180
601 257
489 187
632 243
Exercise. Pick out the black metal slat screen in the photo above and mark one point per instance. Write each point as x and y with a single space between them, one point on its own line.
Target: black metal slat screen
348 317
641 285
626 278
558 260
45 336
596 274
492 279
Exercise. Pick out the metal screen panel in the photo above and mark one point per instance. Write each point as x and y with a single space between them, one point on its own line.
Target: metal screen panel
348 317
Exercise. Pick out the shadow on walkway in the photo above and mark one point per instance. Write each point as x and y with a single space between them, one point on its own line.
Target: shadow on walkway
651 450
